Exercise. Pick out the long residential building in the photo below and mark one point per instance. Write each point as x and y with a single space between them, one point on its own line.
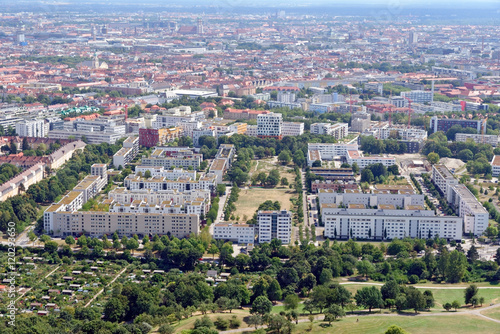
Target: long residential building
98 223
362 161
274 225
443 178
21 182
444 124
89 187
476 218
338 130
478 139
184 158
292 129
205 182
382 224
124 196
127 153
240 233
325 151
402 198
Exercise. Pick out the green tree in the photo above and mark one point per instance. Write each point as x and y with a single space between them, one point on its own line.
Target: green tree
395 330
213 250
470 292
334 312
367 176
455 304
433 158
284 157
291 302
274 291
261 306
69 240
369 297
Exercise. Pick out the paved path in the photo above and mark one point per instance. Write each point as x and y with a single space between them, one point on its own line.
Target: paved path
32 288
114 279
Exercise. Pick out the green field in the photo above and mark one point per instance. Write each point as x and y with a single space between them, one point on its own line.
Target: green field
442 296
415 325
493 313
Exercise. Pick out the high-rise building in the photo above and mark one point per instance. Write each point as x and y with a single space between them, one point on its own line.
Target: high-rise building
274 225
269 125
199 26
32 128
413 38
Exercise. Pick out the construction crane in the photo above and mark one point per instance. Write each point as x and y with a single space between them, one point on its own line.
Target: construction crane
409 111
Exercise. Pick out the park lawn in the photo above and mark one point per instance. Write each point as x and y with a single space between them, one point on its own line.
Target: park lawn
492 313
442 296
413 324
279 308
189 322
250 199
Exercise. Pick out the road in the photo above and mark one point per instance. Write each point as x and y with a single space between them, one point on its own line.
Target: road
220 212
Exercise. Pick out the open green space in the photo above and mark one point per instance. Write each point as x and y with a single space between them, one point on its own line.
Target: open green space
492 313
413 324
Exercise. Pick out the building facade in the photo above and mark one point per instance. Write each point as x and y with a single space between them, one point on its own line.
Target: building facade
274 225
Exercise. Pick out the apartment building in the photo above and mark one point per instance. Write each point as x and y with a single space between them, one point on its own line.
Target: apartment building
401 198
91 137
382 224
98 223
270 125
478 139
337 185
31 128
127 153
184 158
418 96
495 165
124 196
240 233
444 124
205 182
21 182
197 133
338 130
466 205
274 225
443 178
292 129
362 161
322 151
170 174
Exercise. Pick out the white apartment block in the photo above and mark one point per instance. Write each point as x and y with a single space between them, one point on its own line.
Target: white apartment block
86 189
127 153
476 218
32 128
269 125
274 225
401 199
419 96
205 182
292 128
495 165
170 174
338 130
197 133
478 139
92 137
388 224
404 133
98 223
169 120
180 158
443 178
240 233
330 151
362 161
124 196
